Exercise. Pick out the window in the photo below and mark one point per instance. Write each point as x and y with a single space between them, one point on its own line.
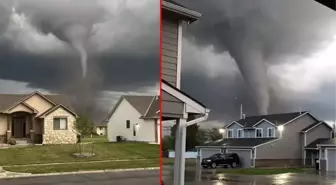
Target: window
259 132
270 132
60 123
240 133
128 124
230 133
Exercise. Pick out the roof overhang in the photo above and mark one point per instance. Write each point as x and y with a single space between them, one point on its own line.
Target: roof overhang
328 3
191 105
233 123
322 122
182 12
23 104
49 111
263 120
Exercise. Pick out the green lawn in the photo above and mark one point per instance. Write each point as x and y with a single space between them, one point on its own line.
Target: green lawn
85 167
258 171
63 153
95 138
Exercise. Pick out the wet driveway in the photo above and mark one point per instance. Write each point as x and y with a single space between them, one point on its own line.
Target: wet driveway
209 177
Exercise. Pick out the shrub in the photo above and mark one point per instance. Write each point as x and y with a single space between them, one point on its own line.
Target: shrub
12 142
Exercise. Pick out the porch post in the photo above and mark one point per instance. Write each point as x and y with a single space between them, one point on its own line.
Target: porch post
32 129
9 128
180 147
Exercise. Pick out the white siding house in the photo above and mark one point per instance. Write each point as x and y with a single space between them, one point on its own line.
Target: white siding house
135 118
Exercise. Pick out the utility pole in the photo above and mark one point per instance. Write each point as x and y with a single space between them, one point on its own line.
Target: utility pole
241 111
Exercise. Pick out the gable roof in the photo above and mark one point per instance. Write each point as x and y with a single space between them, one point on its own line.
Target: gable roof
313 145
9 100
315 125
277 119
55 108
154 109
145 105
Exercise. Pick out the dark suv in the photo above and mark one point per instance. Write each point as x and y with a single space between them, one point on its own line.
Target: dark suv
230 159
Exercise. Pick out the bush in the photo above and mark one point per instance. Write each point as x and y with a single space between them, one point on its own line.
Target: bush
12 142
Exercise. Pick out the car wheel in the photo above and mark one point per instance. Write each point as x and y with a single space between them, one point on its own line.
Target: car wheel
213 165
233 165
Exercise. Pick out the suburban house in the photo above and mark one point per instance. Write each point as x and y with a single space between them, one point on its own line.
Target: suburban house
176 104
101 129
135 118
288 139
37 118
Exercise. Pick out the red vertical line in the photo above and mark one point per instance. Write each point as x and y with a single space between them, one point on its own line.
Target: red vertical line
160 31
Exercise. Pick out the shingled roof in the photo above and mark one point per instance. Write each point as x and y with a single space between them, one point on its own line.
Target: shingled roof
277 119
147 106
8 100
313 145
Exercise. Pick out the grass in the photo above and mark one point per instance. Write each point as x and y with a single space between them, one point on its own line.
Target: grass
259 171
85 167
95 138
170 161
63 153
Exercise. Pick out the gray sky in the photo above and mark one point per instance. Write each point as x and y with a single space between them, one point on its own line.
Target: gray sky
121 40
295 40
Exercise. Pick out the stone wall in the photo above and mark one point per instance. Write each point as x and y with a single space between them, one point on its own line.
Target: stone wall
52 136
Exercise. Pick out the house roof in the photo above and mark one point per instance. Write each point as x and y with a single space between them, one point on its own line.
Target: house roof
55 108
8 100
277 119
145 105
153 110
314 125
239 142
180 11
185 94
321 141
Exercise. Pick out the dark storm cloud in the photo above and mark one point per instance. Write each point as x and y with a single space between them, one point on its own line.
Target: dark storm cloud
129 64
265 31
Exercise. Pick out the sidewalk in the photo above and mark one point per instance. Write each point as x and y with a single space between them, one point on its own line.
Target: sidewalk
80 162
7 174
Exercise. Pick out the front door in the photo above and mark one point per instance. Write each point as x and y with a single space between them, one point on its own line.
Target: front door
19 127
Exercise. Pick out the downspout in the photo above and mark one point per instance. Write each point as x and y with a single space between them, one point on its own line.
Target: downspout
179 166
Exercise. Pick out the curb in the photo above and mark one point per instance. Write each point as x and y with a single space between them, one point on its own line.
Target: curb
20 175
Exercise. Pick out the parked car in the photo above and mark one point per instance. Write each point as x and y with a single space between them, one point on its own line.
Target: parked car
230 159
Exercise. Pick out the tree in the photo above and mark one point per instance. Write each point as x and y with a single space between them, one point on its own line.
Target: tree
215 134
168 143
191 138
84 126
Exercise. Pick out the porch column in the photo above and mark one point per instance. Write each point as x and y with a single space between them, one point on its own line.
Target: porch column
180 147
9 128
32 129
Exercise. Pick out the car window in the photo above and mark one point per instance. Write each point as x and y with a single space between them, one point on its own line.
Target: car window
215 156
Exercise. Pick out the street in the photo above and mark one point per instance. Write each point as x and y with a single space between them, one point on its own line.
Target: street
150 177
209 177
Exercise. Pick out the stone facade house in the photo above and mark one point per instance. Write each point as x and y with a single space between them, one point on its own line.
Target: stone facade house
37 118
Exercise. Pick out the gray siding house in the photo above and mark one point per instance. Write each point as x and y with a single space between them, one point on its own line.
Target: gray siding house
289 139
176 104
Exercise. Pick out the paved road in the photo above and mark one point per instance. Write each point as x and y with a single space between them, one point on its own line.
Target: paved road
209 177
150 177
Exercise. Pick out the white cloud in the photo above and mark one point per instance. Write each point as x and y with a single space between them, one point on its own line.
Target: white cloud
205 61
15 87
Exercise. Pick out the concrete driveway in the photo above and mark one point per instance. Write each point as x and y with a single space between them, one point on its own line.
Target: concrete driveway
150 177
209 177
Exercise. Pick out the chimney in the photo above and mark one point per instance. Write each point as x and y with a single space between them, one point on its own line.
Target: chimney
243 116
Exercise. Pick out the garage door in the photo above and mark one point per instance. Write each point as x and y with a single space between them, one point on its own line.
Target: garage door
244 157
331 160
207 152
